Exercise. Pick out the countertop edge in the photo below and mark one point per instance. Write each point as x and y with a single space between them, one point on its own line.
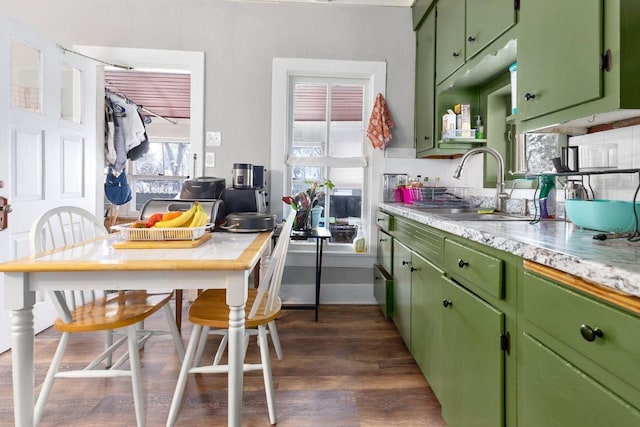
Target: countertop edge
614 275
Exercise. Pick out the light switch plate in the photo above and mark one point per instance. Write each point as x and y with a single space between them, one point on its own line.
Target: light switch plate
214 139
210 160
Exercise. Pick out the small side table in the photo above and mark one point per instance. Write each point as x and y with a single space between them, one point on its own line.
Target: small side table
320 234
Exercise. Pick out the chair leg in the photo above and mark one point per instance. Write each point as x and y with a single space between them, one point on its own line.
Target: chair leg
184 372
179 309
173 328
136 375
47 385
266 373
140 327
275 338
202 341
108 342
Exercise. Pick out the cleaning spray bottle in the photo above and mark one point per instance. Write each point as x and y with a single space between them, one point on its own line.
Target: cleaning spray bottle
358 241
548 197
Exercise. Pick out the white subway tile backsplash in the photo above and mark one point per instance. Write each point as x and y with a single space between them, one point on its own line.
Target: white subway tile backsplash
635 160
617 148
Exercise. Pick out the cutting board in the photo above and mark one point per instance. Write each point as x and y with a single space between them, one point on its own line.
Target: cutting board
161 244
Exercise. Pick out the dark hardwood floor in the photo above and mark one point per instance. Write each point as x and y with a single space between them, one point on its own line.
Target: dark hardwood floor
351 368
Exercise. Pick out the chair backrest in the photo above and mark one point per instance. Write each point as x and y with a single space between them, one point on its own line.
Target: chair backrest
60 227
270 284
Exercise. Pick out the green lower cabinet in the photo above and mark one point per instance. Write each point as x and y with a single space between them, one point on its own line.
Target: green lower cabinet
473 369
554 393
402 290
426 304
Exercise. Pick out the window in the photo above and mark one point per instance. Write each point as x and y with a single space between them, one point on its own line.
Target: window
159 173
327 122
319 115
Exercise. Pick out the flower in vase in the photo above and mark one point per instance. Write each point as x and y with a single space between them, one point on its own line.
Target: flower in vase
307 199
304 201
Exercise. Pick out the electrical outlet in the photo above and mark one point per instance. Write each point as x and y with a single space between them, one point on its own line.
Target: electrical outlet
214 139
210 160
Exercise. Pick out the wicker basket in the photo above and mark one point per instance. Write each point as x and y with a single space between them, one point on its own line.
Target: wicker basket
142 234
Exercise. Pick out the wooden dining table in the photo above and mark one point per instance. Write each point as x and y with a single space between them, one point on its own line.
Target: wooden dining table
224 261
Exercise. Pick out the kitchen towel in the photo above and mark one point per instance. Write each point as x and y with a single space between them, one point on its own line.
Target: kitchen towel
380 123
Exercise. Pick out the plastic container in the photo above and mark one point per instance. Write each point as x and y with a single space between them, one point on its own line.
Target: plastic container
315 216
391 182
598 156
613 216
513 69
548 197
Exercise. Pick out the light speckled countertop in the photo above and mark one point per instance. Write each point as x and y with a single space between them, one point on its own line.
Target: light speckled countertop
557 244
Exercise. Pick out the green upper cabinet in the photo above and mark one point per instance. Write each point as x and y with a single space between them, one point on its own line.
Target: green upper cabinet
425 84
571 77
558 64
419 10
450 37
486 20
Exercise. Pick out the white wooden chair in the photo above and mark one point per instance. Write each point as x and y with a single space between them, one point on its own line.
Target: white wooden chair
89 311
210 310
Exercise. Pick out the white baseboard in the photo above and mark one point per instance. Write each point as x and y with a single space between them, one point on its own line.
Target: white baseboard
330 293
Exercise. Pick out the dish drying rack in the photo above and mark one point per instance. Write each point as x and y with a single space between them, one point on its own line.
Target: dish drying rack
436 197
585 180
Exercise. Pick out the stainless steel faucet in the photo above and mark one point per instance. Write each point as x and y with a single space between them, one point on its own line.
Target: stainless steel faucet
501 195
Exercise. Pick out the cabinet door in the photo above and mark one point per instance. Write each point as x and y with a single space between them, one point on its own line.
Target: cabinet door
558 64
426 312
425 84
402 290
473 368
486 20
450 37
385 245
554 393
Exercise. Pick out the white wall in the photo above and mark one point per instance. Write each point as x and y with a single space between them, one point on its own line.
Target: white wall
240 39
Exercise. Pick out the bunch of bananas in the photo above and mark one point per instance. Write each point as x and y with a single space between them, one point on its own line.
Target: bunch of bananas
194 217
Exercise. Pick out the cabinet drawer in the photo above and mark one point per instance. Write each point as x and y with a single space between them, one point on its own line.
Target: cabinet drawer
384 221
474 268
426 241
383 290
571 317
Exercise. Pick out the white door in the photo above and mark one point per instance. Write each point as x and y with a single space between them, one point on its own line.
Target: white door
48 147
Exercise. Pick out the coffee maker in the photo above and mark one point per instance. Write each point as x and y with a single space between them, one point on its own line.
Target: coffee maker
248 192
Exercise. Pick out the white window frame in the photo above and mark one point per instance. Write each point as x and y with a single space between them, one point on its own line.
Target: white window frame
283 70
177 133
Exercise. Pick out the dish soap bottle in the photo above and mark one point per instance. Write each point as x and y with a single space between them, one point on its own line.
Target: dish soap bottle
548 197
358 241
479 128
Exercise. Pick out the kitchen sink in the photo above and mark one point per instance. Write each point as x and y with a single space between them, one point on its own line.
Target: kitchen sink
468 214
